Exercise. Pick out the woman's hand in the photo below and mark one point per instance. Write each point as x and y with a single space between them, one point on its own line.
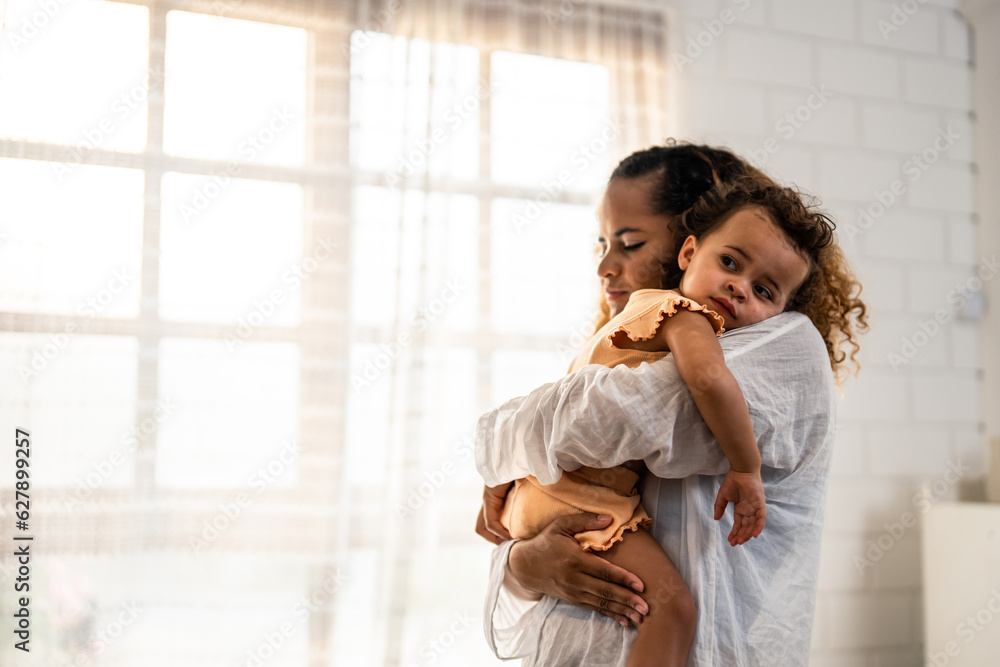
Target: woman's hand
553 563
488 522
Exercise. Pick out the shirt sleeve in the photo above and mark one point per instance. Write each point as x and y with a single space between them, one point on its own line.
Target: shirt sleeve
598 417
512 616
602 417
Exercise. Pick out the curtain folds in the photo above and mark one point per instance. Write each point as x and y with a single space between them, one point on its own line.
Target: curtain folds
263 265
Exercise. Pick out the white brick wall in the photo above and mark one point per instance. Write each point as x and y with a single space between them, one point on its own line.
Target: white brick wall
906 235
860 70
894 88
919 33
820 18
888 126
955 36
776 58
934 81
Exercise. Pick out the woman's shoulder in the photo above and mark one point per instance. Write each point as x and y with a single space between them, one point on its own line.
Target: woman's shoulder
782 361
790 336
789 340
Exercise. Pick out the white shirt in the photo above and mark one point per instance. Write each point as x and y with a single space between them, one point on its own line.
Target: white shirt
755 601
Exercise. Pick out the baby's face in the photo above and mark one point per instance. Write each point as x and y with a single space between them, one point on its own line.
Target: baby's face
746 269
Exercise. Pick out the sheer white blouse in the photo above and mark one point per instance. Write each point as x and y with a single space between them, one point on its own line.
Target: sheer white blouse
755 601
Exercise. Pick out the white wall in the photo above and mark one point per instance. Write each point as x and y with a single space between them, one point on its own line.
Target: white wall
882 92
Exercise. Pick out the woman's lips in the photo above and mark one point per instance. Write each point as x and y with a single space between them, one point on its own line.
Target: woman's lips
615 295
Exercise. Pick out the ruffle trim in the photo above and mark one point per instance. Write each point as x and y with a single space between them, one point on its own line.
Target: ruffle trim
633 525
668 310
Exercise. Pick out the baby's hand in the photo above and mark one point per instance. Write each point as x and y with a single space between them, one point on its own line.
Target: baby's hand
746 492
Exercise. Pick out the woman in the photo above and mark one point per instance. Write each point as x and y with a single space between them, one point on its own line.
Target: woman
754 603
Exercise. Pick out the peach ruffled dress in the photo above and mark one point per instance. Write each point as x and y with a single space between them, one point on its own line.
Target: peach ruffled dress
613 491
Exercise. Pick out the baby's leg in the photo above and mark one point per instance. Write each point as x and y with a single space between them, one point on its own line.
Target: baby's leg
667 631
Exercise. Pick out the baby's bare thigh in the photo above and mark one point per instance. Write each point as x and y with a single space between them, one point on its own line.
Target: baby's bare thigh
641 554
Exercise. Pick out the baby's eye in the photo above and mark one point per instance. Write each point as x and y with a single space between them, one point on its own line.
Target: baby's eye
728 262
634 246
763 292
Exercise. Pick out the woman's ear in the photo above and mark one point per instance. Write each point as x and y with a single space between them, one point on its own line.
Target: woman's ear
687 252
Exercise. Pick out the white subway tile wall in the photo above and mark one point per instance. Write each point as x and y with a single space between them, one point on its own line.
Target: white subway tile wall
886 145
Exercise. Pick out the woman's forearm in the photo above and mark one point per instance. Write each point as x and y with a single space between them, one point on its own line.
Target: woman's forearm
546 432
598 417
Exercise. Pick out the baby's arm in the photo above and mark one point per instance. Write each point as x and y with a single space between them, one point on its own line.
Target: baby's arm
690 338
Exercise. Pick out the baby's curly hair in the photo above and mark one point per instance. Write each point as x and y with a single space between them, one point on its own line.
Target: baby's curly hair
830 294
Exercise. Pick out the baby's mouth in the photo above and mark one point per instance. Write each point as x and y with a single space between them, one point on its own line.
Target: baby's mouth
726 308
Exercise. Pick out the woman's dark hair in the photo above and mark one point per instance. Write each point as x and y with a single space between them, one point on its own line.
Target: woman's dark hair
684 172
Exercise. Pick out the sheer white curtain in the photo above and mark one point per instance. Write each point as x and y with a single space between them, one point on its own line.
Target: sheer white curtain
262 266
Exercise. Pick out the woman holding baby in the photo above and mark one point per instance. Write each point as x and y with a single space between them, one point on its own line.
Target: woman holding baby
761 264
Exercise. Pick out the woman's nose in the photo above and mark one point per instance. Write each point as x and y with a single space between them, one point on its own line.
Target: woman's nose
608 266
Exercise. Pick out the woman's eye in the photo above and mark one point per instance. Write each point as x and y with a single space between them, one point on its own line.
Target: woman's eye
728 262
763 292
634 246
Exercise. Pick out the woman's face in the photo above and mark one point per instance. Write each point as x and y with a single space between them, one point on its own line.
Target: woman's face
633 240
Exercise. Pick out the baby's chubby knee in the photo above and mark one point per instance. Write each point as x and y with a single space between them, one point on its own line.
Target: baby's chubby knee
671 600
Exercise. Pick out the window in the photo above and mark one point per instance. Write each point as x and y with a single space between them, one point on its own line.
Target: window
264 266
